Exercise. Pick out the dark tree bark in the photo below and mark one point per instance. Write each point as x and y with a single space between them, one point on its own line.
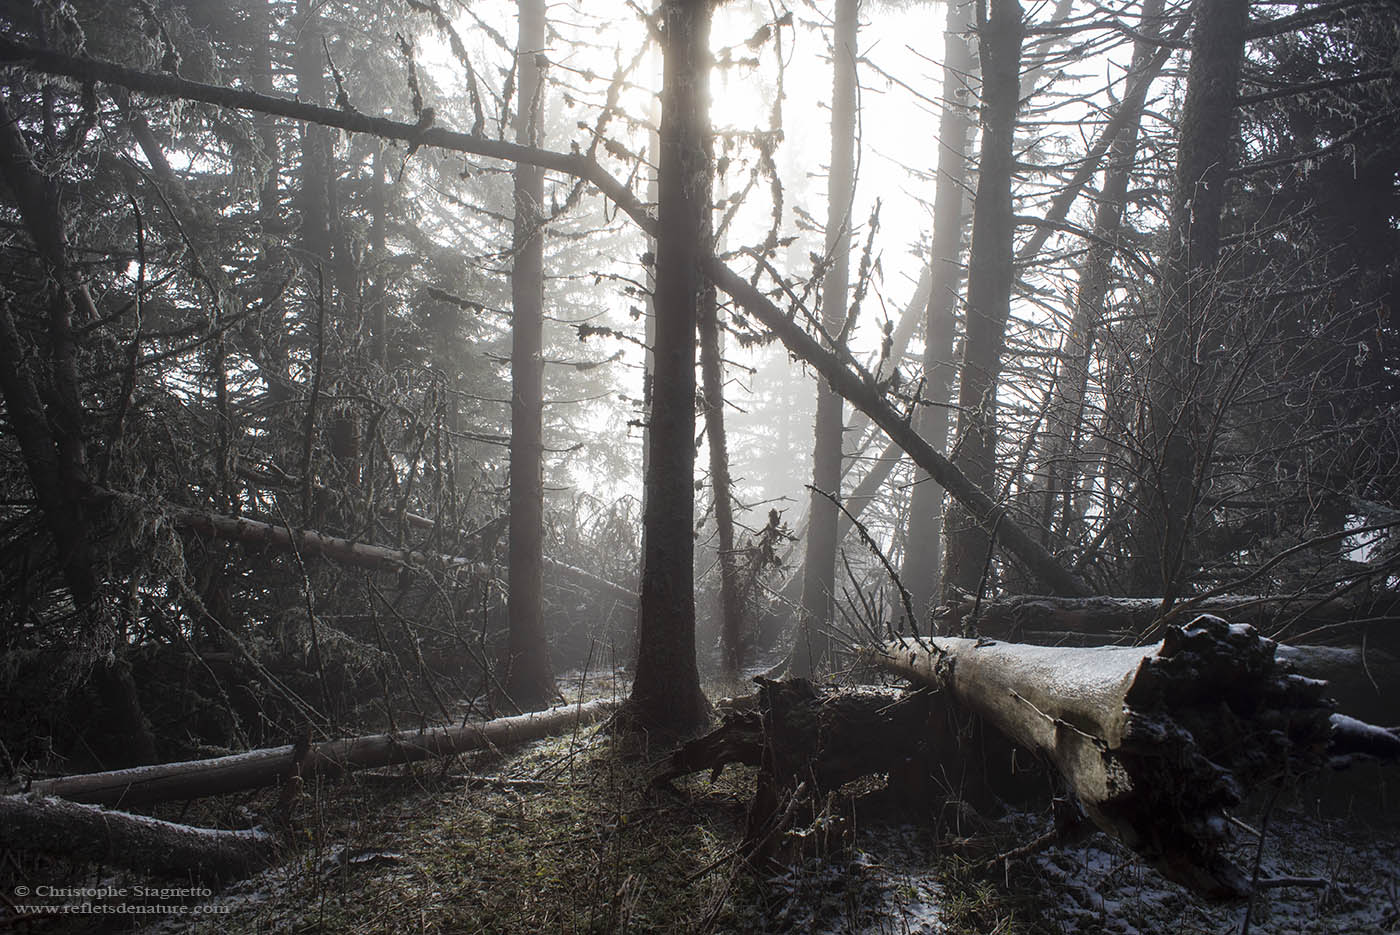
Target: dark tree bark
923 550
331 267
819 580
991 272
1175 442
529 678
314 199
666 693
47 415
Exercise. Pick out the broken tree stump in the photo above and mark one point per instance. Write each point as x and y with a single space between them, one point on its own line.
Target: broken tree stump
807 744
1155 742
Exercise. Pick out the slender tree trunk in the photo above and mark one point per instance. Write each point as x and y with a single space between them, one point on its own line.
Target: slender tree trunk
666 692
885 462
712 377
314 198
653 197
923 553
323 236
819 580
271 352
529 678
1176 370
1095 272
377 301
990 274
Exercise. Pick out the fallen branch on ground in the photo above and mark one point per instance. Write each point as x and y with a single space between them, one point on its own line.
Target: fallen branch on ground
166 782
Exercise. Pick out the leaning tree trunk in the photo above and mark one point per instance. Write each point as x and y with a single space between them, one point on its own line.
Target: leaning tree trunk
666 692
1067 405
819 577
1155 742
529 678
990 274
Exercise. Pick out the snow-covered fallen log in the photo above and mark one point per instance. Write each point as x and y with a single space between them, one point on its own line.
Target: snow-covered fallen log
166 782
33 823
1156 742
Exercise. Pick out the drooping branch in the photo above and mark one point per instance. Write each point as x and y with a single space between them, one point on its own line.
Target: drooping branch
846 378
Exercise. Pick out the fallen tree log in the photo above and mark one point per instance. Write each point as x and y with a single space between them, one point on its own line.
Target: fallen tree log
1099 621
1363 682
1155 742
167 782
33 823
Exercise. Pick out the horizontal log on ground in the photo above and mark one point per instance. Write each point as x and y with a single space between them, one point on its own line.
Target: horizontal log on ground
1096 621
143 785
1352 738
1156 742
1365 683
32 823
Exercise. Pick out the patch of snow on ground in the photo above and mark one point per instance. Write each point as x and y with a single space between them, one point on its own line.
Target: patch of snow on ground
1101 887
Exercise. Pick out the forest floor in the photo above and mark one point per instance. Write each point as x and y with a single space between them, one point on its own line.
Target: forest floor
568 835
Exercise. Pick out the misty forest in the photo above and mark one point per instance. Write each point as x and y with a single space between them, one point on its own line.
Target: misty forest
763 465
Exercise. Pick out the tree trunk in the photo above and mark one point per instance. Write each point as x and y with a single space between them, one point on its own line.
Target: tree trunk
47 415
868 487
169 782
819 578
989 279
923 550
1155 742
529 677
1175 439
666 693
